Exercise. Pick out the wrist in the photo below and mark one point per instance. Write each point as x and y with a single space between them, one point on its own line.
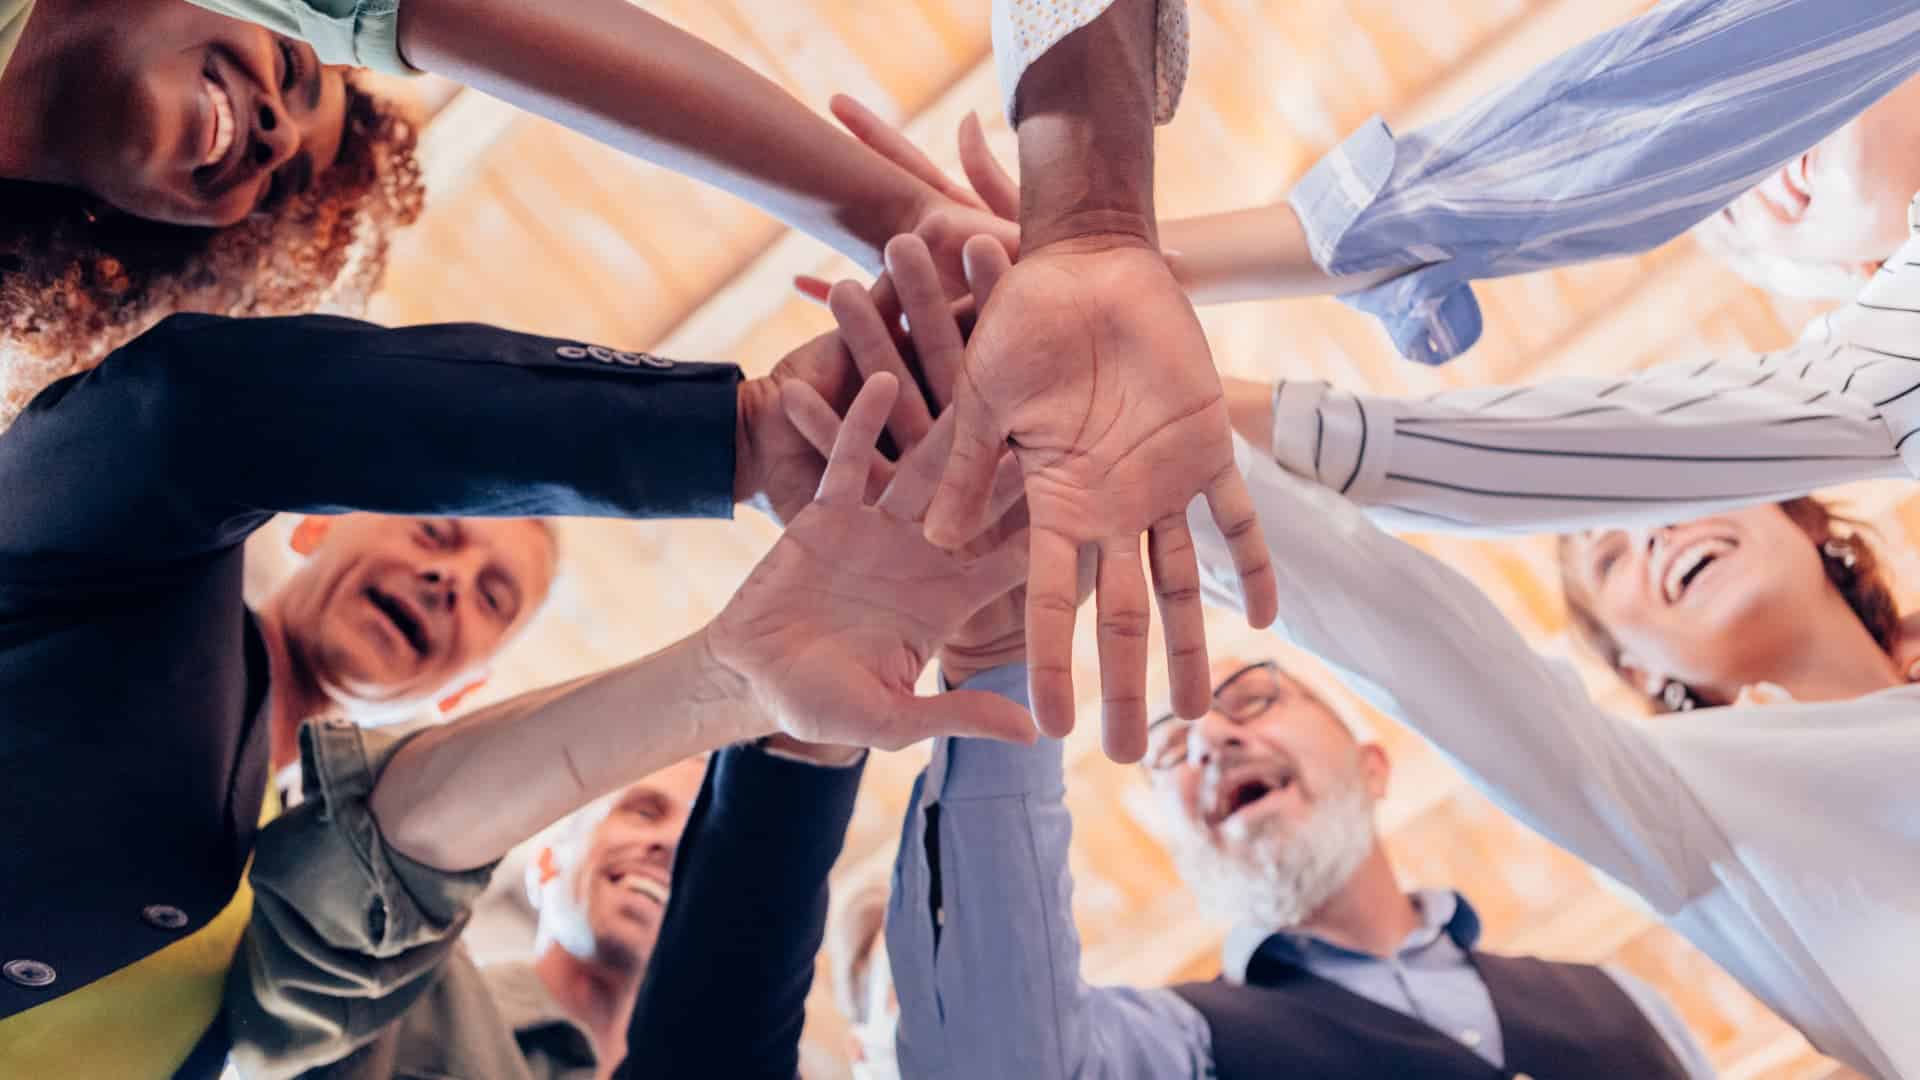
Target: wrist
1250 411
753 399
720 677
786 746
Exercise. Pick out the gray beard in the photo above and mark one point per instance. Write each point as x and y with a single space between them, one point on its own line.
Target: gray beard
1288 874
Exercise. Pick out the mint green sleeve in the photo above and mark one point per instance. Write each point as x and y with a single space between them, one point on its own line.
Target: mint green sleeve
363 33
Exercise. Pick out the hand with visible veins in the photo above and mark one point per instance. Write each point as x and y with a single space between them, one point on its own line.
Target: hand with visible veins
832 629
995 635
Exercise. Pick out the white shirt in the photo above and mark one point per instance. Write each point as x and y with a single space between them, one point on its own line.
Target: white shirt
1023 31
1672 442
1779 839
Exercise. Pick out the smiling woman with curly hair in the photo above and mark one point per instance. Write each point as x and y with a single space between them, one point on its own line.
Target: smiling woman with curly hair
78 280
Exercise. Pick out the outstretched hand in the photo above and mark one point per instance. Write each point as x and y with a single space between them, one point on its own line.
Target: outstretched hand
832 629
1088 358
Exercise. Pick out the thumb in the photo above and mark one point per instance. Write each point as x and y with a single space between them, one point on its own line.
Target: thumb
973 714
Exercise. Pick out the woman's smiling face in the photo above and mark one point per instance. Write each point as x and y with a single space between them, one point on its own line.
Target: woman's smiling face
197 119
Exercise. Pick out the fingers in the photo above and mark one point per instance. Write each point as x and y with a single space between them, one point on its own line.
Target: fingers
930 317
1233 511
974 714
1176 586
820 426
999 571
848 466
1009 487
1121 596
958 512
865 333
891 143
918 475
983 170
985 261
1051 605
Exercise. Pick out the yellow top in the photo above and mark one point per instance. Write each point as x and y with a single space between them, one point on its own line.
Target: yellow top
13 19
140 1021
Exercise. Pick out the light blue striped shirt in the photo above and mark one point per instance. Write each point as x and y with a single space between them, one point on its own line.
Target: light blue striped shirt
1617 146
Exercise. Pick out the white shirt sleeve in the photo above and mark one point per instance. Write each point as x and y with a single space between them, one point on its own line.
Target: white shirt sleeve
1422 643
1671 442
1023 31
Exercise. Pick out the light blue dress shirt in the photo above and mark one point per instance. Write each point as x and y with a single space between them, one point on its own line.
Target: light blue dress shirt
1617 146
986 959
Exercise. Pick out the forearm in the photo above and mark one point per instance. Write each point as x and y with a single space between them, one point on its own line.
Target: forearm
1423 644
1582 452
749 894
1085 127
608 69
1256 253
986 959
461 795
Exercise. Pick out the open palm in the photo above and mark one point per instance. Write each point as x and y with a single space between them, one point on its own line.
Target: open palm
1088 357
833 628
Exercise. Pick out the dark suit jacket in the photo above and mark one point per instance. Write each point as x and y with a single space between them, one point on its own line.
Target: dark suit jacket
132 677
726 988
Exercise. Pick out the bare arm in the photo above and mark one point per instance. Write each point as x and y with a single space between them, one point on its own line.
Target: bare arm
544 753
611 71
1253 254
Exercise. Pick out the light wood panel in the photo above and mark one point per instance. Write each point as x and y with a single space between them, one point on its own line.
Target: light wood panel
537 229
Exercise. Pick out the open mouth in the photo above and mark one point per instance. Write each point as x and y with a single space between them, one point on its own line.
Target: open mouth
220 138
1685 566
641 885
401 617
1245 787
220 157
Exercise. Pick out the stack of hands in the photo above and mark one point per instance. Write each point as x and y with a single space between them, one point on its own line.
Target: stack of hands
1041 421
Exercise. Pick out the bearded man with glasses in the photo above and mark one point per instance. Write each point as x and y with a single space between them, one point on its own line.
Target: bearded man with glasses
1333 970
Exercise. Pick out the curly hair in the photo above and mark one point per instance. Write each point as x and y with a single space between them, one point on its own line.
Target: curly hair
77 283
1866 586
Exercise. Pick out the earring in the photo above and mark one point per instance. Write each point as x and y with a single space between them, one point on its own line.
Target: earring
1840 551
1676 697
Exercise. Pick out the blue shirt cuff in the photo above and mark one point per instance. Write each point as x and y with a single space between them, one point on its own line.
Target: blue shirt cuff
1429 313
990 768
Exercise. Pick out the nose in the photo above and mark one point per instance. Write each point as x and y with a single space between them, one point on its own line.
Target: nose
1210 736
440 588
276 138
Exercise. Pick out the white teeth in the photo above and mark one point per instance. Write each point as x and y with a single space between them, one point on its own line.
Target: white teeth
222 123
643 886
1686 561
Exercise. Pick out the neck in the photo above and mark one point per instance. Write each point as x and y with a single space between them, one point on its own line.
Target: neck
1370 913
294 696
600 999
60 36
1840 660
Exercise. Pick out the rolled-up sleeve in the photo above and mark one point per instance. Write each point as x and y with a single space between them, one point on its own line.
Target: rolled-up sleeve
346 933
363 33
1618 145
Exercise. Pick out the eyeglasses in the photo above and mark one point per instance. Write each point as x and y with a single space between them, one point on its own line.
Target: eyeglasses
1239 696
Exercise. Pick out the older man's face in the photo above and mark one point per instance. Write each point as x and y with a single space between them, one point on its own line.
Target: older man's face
626 876
1256 768
395 608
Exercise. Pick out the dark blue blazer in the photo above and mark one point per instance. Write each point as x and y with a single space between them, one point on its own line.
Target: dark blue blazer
132 677
726 988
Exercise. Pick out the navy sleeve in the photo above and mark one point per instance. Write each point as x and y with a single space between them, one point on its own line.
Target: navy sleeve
726 989
191 436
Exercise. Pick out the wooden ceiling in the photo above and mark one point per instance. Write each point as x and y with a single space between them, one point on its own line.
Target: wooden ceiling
534 228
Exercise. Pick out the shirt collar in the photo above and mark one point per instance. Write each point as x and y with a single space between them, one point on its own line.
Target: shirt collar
1441 911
